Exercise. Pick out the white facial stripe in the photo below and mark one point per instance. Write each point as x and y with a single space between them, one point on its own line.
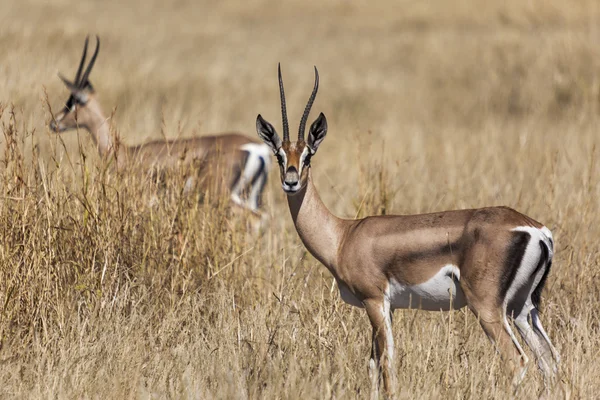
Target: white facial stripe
283 157
304 154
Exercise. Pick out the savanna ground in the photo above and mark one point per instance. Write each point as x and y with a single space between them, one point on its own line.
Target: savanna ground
431 105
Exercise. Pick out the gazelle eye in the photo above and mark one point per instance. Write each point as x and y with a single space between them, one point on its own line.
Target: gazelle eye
279 158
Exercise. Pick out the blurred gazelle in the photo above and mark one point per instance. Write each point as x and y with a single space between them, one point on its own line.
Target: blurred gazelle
247 160
494 260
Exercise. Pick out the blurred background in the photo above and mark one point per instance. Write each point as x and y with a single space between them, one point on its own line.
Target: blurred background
431 105
395 75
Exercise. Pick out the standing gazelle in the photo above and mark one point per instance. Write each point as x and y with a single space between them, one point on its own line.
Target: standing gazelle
246 160
493 260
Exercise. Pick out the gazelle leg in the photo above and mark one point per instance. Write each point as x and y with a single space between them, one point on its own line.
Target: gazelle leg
382 353
498 333
236 191
536 343
492 318
539 330
374 371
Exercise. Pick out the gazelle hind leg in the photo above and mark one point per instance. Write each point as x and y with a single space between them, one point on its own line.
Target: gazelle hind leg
536 343
539 330
519 373
237 190
502 336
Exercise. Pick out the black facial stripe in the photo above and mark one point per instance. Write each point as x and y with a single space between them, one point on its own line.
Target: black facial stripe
279 158
307 158
70 103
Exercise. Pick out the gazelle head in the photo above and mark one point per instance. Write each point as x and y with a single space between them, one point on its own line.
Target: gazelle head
77 110
294 157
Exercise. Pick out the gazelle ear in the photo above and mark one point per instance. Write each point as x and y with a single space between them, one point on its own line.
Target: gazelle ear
70 85
317 132
78 94
267 133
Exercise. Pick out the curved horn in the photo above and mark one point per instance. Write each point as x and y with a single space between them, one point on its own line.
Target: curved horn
311 100
78 75
86 74
286 127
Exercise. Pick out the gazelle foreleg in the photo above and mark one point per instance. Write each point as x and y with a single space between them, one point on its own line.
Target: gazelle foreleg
381 365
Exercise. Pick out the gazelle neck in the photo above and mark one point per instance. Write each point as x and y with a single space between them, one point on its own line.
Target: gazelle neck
99 129
319 229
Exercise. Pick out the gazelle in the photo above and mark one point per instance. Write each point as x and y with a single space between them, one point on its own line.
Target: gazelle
246 160
494 260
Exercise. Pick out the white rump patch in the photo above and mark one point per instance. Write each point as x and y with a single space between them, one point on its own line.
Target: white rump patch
256 153
440 293
529 263
549 239
546 232
258 149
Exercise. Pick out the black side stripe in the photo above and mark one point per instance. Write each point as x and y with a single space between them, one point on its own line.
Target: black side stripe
515 252
441 250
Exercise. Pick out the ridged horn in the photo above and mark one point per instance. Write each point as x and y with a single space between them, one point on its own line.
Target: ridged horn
311 100
286 127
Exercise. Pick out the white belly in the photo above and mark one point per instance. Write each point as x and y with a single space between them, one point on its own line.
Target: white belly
440 292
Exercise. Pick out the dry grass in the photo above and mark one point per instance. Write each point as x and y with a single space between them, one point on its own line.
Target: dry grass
432 105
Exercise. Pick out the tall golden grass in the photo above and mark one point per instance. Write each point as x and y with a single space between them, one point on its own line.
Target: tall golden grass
431 105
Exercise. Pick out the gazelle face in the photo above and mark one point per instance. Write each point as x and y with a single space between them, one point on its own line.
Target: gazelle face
294 162
294 157
77 111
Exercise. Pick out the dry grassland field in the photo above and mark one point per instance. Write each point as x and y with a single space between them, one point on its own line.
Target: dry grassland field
432 105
